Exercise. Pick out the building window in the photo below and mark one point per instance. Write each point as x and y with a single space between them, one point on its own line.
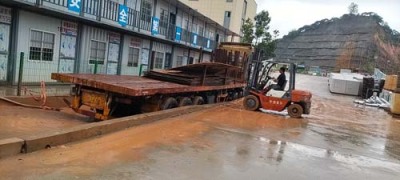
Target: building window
133 57
179 61
158 64
227 14
42 46
146 11
194 28
244 9
163 18
211 35
201 30
97 52
227 19
229 0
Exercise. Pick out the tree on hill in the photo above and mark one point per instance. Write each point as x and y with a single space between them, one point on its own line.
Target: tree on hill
353 8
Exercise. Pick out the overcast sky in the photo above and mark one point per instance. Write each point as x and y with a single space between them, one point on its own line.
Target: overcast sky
287 15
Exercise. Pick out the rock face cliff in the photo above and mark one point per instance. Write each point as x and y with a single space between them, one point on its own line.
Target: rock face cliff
358 42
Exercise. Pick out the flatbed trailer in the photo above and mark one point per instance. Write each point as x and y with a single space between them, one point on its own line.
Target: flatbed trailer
106 96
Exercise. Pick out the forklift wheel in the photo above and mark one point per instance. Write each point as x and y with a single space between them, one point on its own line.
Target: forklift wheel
251 103
295 110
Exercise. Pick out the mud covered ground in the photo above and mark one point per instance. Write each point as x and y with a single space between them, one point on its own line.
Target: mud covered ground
339 140
17 121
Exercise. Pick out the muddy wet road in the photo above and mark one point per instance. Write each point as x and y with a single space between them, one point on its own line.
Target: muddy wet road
339 140
17 121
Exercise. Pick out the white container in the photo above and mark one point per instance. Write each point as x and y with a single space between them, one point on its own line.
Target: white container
345 83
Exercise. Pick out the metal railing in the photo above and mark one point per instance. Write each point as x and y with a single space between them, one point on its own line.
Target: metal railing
108 9
133 17
63 3
145 21
91 7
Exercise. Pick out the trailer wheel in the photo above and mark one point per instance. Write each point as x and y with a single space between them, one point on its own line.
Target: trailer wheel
235 95
198 100
184 101
240 94
251 103
168 103
295 110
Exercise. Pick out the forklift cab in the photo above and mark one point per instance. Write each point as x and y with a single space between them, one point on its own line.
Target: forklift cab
269 72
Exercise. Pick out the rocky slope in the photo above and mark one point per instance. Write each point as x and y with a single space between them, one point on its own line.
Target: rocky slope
360 42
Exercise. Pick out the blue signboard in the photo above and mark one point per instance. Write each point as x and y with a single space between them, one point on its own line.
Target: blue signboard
74 5
208 44
123 15
154 26
194 42
178 33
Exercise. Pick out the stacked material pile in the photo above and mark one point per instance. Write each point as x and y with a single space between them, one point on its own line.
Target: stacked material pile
368 86
229 62
389 98
374 101
202 74
392 87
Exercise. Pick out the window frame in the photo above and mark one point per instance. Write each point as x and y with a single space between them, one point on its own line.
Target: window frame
129 57
41 45
145 12
177 64
156 63
163 18
90 54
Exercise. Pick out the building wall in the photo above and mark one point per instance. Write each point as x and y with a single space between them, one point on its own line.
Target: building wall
180 53
251 9
35 70
196 56
112 42
206 57
5 31
134 42
215 9
163 49
73 41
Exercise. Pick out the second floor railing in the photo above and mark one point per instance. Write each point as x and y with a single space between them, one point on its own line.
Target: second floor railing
109 9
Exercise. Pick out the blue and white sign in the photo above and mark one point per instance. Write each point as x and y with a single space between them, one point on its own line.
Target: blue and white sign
123 15
154 26
178 33
208 44
194 42
74 5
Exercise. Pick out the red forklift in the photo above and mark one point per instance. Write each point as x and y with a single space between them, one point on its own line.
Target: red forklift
297 102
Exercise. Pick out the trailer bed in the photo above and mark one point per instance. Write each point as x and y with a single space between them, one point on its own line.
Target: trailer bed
134 85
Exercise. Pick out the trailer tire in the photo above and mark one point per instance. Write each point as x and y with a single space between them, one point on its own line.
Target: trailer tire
240 94
168 103
198 100
295 110
235 95
184 101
